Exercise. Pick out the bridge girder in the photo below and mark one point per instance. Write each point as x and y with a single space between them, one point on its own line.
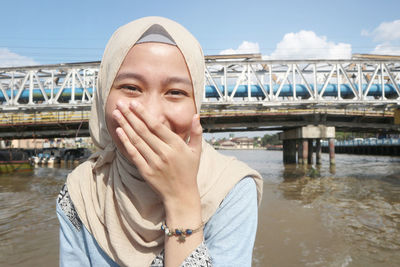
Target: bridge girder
227 81
261 95
75 123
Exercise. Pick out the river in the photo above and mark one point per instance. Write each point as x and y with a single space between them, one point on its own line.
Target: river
343 216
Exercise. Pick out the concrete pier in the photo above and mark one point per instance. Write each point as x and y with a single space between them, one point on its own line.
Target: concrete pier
300 152
289 151
310 151
318 152
332 151
305 152
304 137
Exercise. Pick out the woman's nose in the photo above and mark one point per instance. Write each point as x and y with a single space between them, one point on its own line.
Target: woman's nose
153 105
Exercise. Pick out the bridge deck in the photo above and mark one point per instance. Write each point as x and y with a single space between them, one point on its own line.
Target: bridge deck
242 93
75 123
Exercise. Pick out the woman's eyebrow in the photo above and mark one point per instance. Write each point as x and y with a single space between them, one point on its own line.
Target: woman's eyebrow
130 75
142 78
175 79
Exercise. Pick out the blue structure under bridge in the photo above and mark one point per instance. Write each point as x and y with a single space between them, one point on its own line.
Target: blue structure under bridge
229 79
301 90
241 91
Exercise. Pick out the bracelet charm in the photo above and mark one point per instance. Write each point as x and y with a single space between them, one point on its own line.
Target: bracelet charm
179 232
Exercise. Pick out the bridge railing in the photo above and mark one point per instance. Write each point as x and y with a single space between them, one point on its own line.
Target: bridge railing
15 119
227 81
365 142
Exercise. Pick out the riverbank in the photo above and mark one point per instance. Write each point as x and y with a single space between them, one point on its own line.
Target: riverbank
274 148
237 148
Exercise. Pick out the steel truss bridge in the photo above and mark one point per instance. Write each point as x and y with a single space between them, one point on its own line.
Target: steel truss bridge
242 92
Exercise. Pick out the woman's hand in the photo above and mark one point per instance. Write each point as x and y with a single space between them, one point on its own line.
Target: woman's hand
169 165
165 161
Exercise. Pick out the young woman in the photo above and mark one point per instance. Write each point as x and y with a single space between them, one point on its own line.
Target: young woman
155 193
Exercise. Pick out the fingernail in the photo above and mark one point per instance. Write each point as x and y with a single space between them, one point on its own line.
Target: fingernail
116 114
133 104
120 104
119 131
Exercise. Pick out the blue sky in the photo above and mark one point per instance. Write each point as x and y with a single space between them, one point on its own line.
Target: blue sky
49 32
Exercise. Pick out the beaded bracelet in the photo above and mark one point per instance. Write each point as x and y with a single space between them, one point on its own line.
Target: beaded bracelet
179 232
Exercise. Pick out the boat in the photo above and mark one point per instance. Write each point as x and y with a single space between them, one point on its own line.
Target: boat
74 155
44 158
14 160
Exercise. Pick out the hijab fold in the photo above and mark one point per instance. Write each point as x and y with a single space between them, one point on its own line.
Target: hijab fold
113 201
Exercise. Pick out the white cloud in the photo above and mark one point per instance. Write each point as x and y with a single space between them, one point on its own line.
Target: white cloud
244 48
11 59
388 34
308 45
300 45
385 32
386 49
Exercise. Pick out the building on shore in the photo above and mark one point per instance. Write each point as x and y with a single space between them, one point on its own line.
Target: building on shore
48 143
243 142
227 145
237 143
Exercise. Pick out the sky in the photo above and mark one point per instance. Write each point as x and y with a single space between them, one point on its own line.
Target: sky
52 32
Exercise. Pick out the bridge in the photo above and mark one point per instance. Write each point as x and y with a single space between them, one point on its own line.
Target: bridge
242 93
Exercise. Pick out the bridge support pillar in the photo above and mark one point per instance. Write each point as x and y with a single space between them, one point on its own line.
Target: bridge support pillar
305 136
289 151
305 151
318 152
299 152
310 151
332 151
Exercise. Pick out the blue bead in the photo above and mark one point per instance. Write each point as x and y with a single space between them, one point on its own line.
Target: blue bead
178 232
189 231
162 227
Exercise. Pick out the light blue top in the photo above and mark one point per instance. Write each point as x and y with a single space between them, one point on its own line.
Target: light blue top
229 235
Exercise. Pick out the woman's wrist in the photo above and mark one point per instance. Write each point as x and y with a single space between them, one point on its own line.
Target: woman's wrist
183 212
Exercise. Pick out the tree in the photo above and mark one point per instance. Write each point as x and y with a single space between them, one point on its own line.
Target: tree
270 140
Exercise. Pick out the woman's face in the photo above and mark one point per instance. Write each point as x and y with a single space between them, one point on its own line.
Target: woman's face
155 75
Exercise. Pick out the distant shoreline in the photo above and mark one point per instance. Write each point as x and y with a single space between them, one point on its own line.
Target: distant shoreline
237 148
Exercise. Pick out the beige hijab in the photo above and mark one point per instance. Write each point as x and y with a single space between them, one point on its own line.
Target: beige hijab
116 206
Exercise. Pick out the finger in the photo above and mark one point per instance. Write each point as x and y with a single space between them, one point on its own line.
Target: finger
134 139
196 135
133 153
141 130
155 126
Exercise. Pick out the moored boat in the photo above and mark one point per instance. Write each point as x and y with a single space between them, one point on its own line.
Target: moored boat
14 160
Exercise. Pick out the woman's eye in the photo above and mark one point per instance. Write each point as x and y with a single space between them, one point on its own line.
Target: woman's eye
130 88
177 93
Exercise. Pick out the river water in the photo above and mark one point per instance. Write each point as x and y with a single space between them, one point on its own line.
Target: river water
343 216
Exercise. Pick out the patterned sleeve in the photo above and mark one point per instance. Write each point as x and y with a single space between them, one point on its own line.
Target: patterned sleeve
199 258
78 248
73 250
64 200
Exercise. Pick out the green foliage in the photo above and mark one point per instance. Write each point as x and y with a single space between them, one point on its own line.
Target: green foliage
270 140
351 135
